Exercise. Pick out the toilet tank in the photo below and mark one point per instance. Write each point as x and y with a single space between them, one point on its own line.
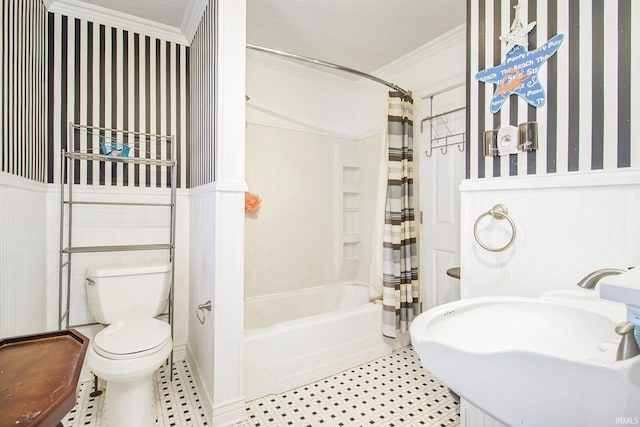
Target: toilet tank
127 292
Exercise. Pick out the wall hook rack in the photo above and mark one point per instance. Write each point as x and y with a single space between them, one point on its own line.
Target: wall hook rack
443 143
450 139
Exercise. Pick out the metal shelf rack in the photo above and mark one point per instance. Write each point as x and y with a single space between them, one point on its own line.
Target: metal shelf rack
68 160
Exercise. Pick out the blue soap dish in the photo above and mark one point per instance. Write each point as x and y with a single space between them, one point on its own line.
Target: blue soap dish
114 148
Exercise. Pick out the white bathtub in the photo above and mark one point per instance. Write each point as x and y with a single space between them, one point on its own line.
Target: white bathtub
297 338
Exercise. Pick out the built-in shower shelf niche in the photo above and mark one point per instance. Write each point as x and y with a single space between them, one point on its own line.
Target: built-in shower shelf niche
350 175
351 251
351 238
350 180
350 221
350 213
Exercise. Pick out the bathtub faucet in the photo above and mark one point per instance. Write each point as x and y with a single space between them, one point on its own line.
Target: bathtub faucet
590 280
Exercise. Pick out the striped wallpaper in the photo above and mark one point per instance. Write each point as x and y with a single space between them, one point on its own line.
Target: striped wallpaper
23 89
112 78
592 90
203 63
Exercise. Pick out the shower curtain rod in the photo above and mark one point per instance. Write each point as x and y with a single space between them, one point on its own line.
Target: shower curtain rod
330 65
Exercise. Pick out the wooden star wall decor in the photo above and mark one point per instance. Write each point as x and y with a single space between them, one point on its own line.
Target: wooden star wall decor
518 73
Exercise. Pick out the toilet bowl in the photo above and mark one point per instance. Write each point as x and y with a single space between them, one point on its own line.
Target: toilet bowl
126 354
134 345
130 349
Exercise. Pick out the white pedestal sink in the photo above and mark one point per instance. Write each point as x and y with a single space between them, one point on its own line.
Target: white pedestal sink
531 361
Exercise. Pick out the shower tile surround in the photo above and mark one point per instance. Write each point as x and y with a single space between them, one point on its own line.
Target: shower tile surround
391 391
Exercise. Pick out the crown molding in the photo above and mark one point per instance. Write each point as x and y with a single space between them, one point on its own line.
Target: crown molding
445 41
191 19
113 18
441 86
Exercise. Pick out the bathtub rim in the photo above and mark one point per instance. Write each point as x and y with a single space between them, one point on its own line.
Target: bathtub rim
306 290
314 318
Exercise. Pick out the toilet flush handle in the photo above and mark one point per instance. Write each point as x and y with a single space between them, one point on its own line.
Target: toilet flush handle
202 307
205 306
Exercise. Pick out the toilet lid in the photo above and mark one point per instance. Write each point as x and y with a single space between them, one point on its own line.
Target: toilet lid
131 338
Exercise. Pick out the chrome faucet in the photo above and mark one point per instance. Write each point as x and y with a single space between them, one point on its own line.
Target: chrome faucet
628 347
590 280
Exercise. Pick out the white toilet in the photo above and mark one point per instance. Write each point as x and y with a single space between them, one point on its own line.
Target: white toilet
135 344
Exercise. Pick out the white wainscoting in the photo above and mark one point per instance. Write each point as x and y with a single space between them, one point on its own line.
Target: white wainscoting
200 344
23 259
567 226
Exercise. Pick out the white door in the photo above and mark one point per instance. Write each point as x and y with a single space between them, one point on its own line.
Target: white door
440 175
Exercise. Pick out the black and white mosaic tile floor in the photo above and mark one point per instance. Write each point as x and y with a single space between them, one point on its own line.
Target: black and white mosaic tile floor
177 402
392 391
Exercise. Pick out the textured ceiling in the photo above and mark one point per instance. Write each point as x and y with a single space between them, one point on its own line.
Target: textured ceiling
168 12
361 34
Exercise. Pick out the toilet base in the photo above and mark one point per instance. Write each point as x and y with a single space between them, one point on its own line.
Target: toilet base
130 403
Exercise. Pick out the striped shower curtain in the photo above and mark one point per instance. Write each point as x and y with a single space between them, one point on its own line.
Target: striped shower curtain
401 292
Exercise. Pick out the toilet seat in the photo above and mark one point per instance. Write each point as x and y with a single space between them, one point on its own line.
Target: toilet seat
133 338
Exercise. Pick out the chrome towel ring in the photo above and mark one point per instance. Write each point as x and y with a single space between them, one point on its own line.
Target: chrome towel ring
499 211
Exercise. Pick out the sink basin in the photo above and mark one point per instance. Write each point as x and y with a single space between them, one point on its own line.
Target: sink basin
532 361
